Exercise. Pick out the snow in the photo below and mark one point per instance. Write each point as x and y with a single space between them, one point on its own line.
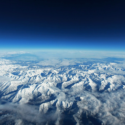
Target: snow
60 87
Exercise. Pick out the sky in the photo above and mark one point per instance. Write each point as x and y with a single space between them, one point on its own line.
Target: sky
82 25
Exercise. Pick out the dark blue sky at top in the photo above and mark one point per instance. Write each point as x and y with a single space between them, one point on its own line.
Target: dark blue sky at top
93 25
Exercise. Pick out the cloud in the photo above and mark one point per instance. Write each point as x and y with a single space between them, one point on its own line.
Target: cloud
52 62
57 62
58 54
27 113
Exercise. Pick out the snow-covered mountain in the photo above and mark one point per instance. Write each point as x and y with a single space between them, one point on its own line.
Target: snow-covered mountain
63 91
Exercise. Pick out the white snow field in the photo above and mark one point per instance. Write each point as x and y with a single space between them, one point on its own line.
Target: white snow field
66 92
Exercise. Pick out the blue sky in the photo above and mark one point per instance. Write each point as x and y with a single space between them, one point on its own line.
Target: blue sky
107 44
86 25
